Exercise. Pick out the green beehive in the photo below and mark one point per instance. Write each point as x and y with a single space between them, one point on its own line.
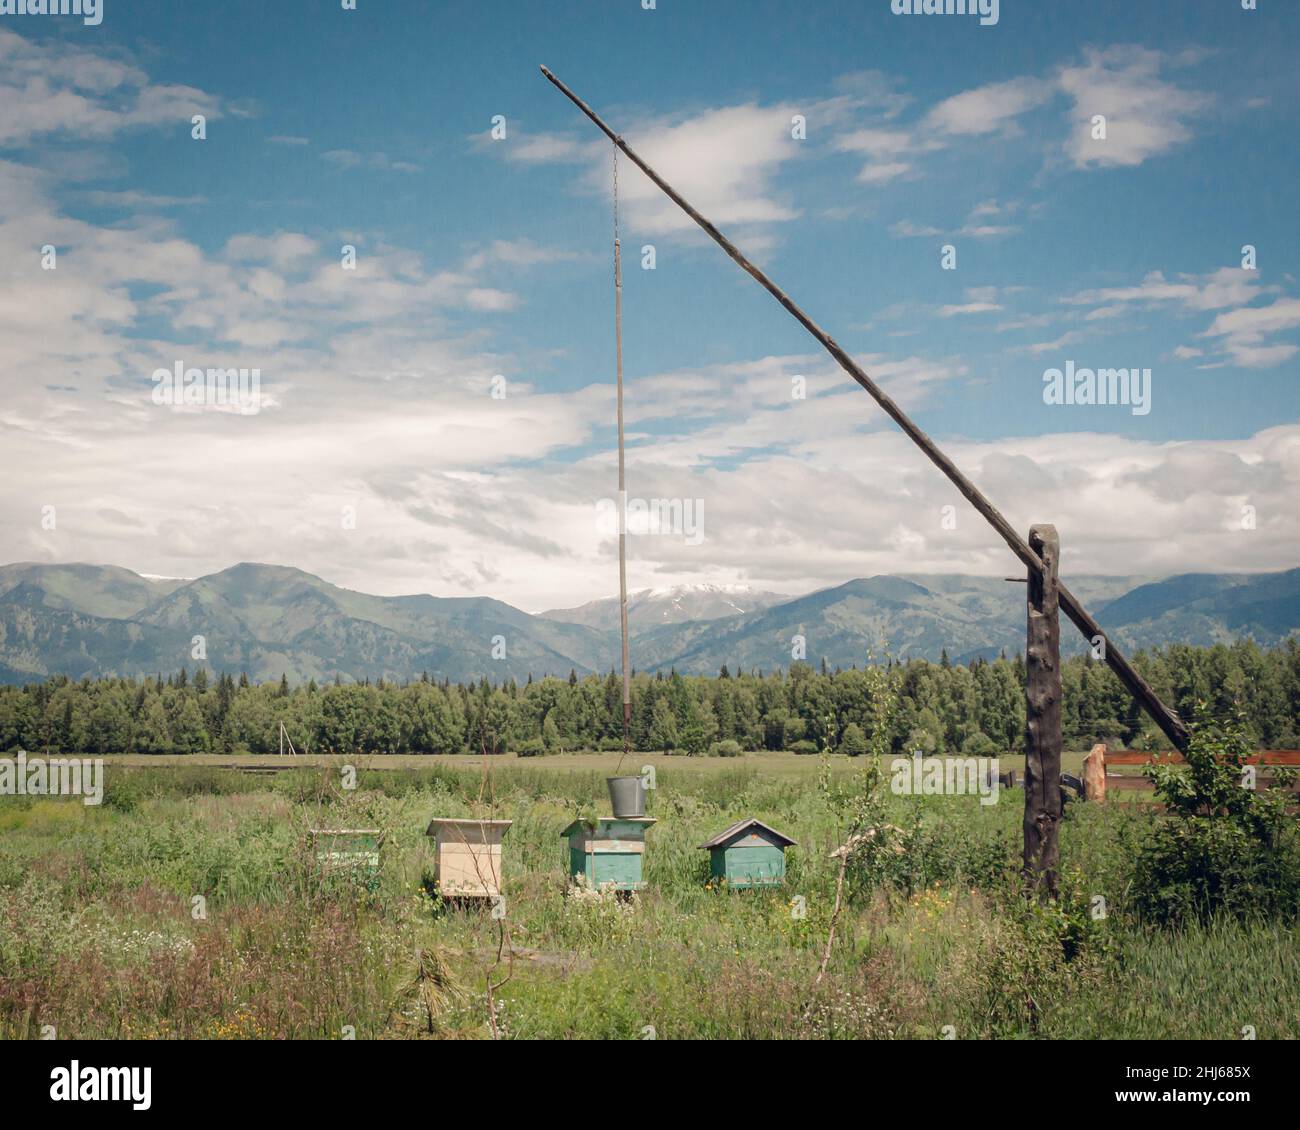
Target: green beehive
608 853
748 854
353 851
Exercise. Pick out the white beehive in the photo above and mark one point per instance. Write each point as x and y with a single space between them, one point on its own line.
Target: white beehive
468 856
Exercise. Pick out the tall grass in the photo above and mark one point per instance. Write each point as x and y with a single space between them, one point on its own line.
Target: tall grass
189 905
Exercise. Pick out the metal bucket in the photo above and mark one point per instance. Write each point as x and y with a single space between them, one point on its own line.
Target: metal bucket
626 796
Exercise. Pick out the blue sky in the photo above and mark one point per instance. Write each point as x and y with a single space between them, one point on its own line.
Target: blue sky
479 257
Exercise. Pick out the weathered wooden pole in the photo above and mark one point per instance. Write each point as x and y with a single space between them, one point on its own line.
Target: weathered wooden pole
1043 715
1165 718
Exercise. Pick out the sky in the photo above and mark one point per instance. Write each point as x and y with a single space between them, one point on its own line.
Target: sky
964 206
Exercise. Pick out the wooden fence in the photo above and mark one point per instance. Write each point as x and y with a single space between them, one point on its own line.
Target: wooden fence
1134 782
1281 757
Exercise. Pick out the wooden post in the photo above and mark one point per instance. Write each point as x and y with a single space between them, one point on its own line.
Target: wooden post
1043 716
1094 774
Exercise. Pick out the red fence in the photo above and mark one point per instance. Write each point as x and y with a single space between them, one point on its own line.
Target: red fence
1130 782
1290 757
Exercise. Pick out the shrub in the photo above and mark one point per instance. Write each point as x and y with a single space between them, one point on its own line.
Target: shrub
1016 967
123 790
853 741
803 746
726 748
979 744
531 747
952 854
1190 869
694 740
1223 847
921 740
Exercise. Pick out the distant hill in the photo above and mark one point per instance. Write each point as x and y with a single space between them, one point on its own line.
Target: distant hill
904 616
99 590
1207 608
268 620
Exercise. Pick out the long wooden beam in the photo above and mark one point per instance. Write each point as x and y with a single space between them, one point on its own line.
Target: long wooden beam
1138 687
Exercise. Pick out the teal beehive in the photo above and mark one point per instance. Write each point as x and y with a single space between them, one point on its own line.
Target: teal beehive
353 852
748 854
606 854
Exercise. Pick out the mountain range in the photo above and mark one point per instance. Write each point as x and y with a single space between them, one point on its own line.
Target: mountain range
653 608
268 620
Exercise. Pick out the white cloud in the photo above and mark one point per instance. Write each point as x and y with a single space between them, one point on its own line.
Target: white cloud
57 89
1244 332
1037 349
283 249
1243 329
517 253
907 229
134 199
1105 313
1145 115
349 159
878 143
542 147
893 150
988 109
883 173
973 228
721 160
968 308
1227 286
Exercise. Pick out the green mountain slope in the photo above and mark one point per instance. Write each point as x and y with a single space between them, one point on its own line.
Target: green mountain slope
270 620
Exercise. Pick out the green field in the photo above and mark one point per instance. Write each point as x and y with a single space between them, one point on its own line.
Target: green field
189 904
777 764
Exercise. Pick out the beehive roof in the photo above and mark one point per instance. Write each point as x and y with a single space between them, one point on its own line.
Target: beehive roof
463 822
592 825
742 826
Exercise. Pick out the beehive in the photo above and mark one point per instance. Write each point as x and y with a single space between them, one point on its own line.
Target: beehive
748 854
354 850
608 853
467 856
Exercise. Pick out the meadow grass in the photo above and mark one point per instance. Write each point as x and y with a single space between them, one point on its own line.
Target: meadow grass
190 905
